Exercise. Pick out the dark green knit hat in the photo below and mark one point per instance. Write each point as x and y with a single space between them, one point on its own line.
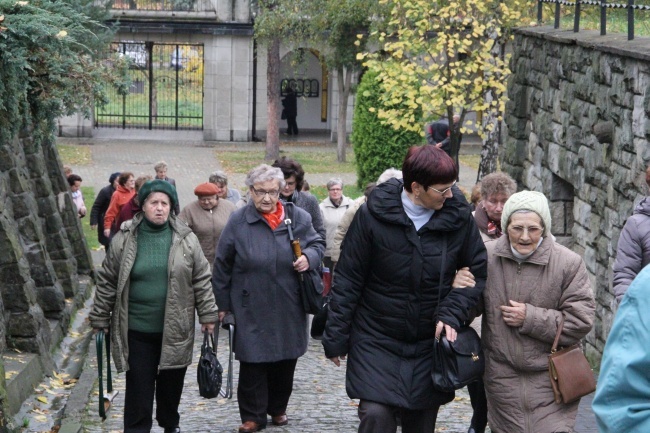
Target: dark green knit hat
158 185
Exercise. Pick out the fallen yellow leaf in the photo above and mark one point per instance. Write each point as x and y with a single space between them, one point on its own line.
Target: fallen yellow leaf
42 399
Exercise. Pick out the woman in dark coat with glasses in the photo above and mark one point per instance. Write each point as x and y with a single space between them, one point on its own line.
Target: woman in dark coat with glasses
398 258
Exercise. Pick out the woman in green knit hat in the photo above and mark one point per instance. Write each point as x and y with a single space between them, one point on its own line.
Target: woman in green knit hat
153 278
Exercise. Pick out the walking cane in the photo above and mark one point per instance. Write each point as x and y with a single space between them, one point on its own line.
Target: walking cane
229 324
105 400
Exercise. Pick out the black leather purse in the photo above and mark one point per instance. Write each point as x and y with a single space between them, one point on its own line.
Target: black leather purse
459 363
209 373
311 281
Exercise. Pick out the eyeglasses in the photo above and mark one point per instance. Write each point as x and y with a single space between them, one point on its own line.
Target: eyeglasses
532 231
262 193
444 191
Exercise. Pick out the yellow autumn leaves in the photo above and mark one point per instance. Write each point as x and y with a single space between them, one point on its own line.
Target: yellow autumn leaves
440 54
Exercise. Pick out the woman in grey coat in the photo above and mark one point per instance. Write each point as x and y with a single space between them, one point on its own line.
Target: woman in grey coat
256 279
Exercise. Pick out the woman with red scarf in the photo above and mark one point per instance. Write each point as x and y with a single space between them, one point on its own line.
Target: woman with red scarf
256 278
496 188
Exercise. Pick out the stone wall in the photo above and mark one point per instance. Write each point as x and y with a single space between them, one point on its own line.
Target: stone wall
42 248
578 126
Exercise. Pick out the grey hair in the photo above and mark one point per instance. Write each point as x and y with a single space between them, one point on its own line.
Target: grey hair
389 174
161 165
219 176
497 183
263 173
334 181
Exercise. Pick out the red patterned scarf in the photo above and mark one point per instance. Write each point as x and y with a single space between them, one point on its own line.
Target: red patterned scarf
274 219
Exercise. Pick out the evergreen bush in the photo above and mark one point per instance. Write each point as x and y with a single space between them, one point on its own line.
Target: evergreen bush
377 146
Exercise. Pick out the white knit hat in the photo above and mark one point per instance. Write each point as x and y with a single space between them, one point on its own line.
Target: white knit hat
527 200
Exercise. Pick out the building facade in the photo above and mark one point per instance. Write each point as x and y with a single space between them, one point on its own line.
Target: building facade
195 65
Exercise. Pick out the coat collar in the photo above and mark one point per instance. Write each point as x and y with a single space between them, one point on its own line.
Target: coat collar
180 228
385 204
541 256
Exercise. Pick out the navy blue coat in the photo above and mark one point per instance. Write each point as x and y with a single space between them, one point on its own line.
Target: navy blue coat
253 278
384 306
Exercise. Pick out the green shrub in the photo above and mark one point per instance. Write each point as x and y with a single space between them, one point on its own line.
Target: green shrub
377 147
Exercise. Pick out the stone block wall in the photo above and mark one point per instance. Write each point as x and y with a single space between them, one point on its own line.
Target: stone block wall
42 248
578 127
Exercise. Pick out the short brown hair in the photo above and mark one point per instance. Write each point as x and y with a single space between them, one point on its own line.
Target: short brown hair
428 165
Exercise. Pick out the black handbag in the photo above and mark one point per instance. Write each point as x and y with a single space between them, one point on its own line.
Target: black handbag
209 372
311 281
319 320
459 363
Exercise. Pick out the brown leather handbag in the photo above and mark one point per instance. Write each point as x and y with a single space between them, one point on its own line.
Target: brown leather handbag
571 375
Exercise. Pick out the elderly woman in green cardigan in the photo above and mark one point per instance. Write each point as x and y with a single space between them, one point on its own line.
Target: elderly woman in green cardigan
153 278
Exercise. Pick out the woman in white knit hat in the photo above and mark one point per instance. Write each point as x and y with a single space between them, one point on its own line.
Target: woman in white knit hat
532 283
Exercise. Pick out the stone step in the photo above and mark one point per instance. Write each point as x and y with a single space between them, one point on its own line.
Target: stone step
23 372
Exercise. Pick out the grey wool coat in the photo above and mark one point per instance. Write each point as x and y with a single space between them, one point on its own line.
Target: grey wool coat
254 279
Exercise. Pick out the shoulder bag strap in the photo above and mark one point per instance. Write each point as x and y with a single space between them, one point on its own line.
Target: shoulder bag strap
557 336
443 262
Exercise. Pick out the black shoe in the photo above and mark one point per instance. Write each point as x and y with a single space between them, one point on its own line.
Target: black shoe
176 429
473 429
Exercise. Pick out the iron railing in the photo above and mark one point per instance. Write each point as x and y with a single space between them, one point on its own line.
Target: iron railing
162 5
602 4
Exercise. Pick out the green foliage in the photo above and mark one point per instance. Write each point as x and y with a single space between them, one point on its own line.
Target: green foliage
377 145
335 25
49 62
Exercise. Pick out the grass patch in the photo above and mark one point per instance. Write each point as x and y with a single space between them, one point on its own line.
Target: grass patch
312 161
91 235
74 155
348 190
472 161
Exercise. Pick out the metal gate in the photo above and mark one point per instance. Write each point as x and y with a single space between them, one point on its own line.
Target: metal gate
166 88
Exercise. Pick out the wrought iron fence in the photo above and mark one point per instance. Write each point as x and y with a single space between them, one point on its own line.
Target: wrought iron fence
166 88
163 5
602 4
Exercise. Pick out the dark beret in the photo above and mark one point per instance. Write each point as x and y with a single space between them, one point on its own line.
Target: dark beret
158 185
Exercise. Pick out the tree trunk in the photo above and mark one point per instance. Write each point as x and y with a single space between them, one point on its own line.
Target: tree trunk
492 140
344 82
273 100
454 133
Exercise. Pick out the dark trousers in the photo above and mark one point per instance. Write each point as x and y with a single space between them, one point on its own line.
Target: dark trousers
292 125
143 382
382 418
264 388
479 404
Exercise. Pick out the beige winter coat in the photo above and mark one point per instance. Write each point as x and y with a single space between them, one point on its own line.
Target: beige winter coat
552 282
189 288
207 225
331 217
344 225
